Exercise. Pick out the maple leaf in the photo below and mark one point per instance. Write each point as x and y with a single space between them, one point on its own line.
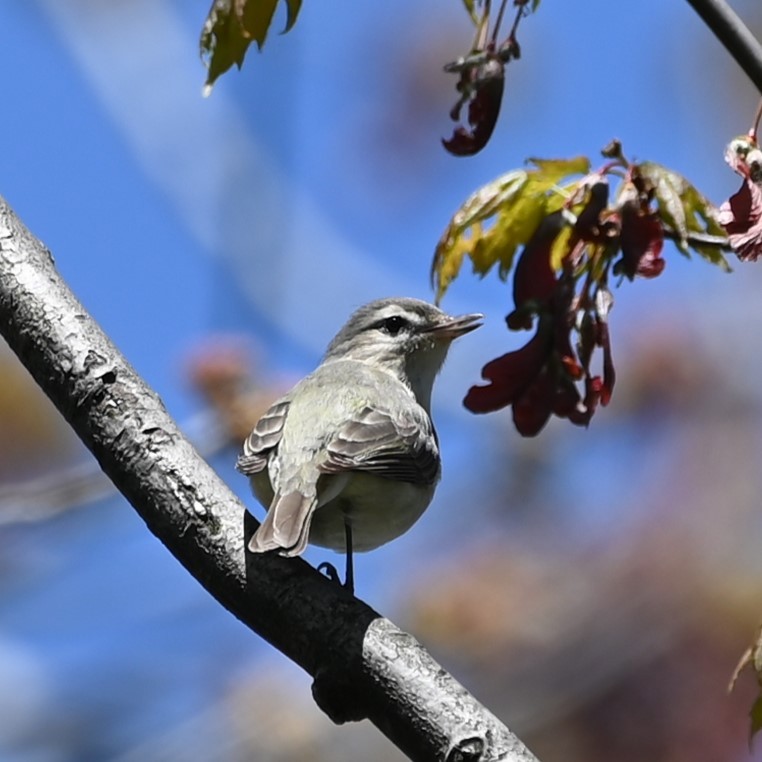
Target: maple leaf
518 201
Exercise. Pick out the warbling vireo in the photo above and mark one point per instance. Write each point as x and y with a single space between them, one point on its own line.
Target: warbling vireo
349 458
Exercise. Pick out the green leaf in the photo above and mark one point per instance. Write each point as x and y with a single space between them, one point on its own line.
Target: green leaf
685 210
551 171
447 265
486 201
292 11
231 26
520 216
560 247
465 229
515 225
701 218
257 16
471 10
518 201
669 187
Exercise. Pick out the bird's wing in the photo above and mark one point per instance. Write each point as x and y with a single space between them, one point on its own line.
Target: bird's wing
401 447
263 439
287 524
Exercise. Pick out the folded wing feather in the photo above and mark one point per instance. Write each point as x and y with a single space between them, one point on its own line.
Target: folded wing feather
401 448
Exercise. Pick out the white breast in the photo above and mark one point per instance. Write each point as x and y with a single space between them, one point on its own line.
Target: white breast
378 510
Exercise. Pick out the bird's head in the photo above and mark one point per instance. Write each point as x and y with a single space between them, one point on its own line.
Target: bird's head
407 337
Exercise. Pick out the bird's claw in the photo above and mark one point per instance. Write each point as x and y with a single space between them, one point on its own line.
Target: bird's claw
330 571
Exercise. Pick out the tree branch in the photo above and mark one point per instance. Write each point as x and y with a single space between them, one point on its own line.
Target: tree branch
363 666
728 28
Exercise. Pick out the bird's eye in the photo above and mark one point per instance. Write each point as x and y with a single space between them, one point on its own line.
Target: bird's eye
393 325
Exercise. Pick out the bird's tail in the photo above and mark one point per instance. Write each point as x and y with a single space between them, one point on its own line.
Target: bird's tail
286 527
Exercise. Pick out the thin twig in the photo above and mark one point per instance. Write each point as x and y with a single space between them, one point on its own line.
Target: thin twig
520 13
699 239
498 22
728 28
755 124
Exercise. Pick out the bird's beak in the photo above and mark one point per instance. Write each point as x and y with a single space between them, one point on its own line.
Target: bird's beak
453 327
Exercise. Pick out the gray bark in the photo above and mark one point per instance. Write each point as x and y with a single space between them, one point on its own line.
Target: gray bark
362 665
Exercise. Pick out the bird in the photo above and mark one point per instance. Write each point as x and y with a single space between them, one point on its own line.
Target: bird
349 458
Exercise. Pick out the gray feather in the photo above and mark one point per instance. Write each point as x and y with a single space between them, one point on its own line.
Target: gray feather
286 526
403 448
263 439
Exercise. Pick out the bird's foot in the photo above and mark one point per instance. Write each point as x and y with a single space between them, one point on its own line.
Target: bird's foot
330 571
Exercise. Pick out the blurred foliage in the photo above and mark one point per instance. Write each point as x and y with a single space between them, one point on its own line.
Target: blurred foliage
616 646
33 435
41 484
223 371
